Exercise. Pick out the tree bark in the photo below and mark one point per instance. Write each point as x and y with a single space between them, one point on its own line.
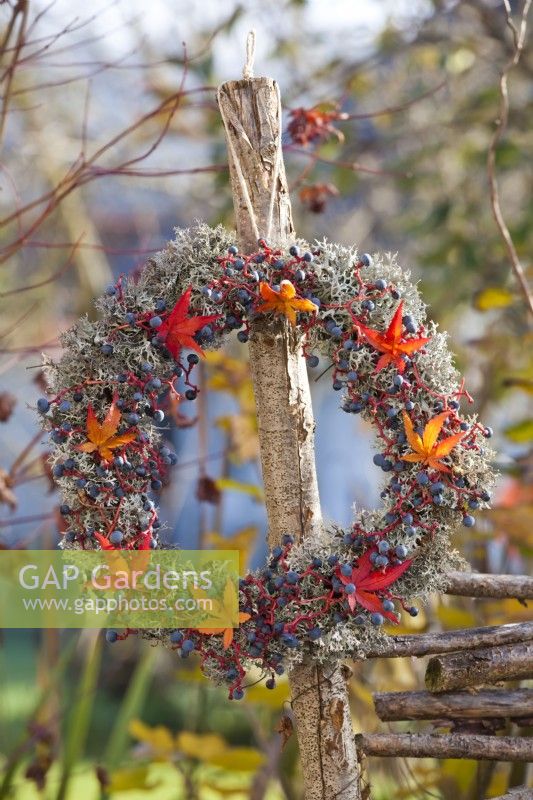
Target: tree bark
454 745
396 706
477 584
251 112
424 644
486 665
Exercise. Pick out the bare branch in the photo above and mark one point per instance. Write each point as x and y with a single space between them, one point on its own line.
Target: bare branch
455 745
479 584
424 644
487 704
476 667
519 37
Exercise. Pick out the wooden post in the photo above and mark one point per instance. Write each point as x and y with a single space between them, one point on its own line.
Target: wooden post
251 112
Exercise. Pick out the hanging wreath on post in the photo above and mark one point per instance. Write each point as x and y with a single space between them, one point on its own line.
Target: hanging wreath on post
361 317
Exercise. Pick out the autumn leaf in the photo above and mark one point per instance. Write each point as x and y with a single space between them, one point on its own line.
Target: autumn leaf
425 447
368 580
225 612
493 297
202 746
230 484
159 739
178 329
244 541
131 778
312 124
101 436
270 698
283 302
210 748
207 491
391 343
7 496
8 402
315 196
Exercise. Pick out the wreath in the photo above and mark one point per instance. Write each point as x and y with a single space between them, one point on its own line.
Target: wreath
327 597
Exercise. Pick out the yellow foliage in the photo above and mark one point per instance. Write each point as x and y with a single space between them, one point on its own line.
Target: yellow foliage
244 541
498 783
237 486
208 748
462 771
201 746
493 297
231 375
192 674
242 433
273 698
129 778
159 739
227 790
460 60
363 694
238 759
453 617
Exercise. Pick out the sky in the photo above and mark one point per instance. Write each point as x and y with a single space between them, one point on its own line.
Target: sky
346 24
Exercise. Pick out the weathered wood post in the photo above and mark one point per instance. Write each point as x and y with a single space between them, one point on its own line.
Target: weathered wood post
251 112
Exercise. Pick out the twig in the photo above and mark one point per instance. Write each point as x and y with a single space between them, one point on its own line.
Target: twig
483 704
455 745
479 584
424 644
519 38
475 667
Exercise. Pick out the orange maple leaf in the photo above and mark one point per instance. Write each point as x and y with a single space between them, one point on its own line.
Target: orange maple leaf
228 632
178 329
426 449
101 436
283 302
391 343
225 612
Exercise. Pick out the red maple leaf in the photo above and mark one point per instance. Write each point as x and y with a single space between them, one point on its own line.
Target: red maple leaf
391 343
368 580
178 329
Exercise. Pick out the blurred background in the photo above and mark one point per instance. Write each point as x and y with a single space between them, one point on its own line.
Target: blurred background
110 137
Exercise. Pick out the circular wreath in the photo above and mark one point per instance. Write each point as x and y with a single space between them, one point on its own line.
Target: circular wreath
327 597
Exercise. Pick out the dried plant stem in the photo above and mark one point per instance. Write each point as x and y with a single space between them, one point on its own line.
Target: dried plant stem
519 38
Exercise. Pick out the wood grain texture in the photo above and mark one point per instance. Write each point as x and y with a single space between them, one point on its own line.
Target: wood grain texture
251 113
454 745
477 667
482 704
424 644
478 584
